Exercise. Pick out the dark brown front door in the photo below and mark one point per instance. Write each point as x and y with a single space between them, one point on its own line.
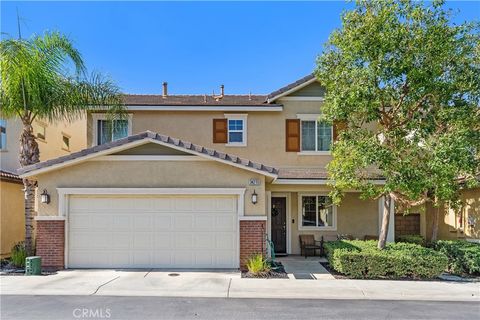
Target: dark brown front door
279 224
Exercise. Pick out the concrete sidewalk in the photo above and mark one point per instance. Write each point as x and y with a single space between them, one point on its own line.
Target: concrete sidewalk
230 285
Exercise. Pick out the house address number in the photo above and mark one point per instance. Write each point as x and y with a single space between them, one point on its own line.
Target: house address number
254 182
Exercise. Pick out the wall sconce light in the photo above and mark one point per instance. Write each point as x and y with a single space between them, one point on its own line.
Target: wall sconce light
254 197
45 197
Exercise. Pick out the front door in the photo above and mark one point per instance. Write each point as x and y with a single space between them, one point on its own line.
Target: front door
279 224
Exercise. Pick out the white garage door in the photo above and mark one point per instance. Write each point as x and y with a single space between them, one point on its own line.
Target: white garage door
152 232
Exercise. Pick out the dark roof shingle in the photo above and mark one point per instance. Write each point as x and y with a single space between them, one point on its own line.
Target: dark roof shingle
194 100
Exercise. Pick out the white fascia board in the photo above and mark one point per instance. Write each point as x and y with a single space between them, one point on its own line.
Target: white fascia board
316 181
302 98
205 108
300 86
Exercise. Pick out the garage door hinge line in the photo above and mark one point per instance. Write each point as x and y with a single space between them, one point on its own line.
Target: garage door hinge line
104 284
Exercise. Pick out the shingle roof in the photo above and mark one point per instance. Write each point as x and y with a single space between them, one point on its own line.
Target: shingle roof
291 86
6 175
177 143
194 100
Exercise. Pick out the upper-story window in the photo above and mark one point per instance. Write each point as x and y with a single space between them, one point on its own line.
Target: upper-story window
41 131
3 134
107 130
237 129
316 135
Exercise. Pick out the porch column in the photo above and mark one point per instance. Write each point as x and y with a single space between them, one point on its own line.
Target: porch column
391 223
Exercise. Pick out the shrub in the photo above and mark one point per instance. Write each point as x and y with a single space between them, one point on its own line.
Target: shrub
362 259
257 264
411 238
463 256
18 255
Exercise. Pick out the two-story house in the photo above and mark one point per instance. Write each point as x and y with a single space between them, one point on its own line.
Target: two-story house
197 181
53 140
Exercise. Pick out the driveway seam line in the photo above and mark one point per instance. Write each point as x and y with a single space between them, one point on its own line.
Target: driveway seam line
146 274
228 290
104 284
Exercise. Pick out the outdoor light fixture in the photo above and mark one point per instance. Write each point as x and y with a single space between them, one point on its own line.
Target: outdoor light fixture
254 197
45 197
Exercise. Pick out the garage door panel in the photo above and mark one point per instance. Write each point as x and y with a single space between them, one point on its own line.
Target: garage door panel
163 240
162 222
121 222
153 232
143 222
225 241
183 221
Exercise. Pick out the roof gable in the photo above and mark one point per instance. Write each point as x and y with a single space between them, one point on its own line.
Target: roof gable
142 139
292 87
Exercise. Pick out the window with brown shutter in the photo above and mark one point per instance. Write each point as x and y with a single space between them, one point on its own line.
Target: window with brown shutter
220 131
337 127
292 139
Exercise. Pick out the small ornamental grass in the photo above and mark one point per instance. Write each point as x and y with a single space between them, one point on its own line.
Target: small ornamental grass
463 256
362 260
18 255
257 265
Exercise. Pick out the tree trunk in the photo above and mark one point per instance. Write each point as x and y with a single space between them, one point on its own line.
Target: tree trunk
435 224
382 239
29 154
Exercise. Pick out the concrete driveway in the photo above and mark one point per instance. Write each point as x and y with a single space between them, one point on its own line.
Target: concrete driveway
229 284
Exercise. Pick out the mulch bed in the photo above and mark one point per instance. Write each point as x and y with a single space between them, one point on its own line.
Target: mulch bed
333 272
278 273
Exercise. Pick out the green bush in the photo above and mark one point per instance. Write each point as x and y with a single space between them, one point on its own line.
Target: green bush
18 255
362 260
463 256
411 238
257 264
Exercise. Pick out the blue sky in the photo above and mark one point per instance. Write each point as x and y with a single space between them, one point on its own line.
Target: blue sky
195 46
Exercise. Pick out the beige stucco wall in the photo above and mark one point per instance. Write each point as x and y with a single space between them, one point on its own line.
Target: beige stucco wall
265 132
151 174
12 219
49 148
449 226
355 217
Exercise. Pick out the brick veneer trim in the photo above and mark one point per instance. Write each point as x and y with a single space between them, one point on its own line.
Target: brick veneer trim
252 240
50 243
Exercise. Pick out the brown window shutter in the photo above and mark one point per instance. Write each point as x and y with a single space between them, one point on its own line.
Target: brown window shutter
337 127
220 131
292 142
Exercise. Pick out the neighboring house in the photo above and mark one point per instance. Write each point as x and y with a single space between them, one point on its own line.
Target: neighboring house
197 181
53 141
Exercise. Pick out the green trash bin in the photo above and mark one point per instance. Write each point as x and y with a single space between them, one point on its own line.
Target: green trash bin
33 266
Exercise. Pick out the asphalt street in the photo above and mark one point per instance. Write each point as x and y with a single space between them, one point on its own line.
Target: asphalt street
107 307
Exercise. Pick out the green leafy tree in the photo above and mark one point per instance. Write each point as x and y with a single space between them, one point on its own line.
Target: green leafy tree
404 82
45 77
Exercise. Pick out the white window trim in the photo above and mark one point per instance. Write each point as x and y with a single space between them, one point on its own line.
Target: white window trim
300 221
243 117
104 116
44 126
312 117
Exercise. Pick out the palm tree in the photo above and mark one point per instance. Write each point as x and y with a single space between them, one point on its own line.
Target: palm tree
45 77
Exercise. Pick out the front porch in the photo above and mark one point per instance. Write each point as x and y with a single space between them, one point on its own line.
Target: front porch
296 210
301 268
